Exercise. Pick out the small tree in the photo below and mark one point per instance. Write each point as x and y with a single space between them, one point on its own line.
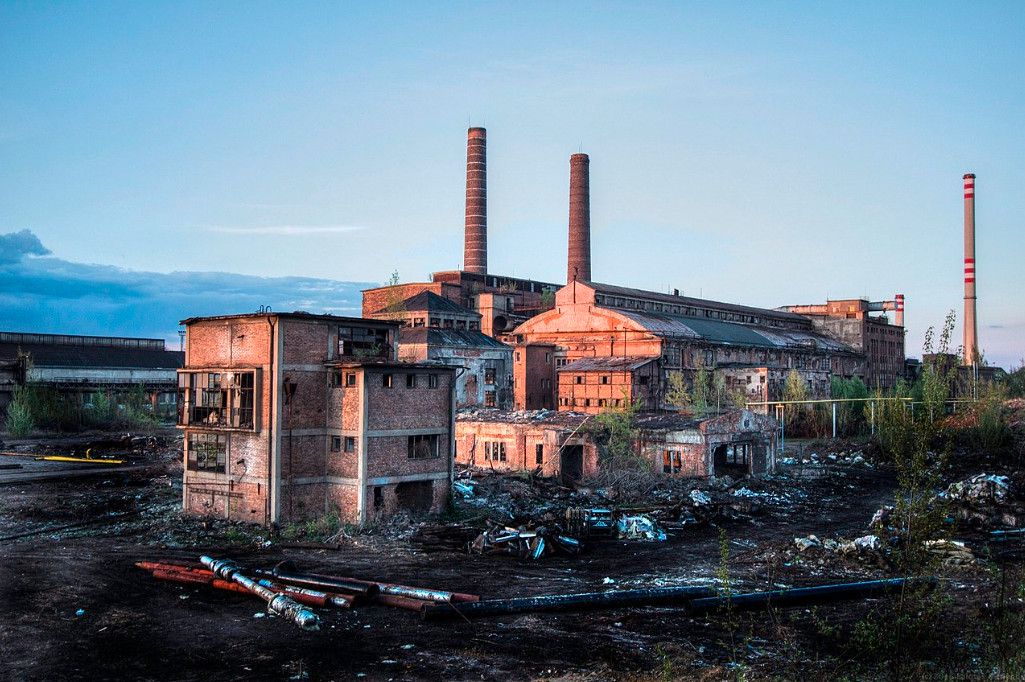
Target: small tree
940 369
795 390
677 394
701 390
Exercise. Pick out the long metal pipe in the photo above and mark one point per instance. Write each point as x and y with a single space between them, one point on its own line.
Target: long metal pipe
372 587
324 582
278 604
656 596
800 596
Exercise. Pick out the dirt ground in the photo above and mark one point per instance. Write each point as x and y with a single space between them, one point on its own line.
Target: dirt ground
75 607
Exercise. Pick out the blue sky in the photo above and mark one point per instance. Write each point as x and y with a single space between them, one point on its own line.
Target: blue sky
761 153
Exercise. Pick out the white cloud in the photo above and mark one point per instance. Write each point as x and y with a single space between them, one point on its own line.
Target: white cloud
288 230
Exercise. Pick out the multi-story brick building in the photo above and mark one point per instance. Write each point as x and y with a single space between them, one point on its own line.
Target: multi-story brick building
879 340
436 329
290 416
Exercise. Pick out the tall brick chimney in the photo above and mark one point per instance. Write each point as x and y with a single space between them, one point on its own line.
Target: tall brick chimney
971 330
579 261
475 244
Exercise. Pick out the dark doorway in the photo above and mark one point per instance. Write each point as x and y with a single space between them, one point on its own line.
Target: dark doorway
415 496
733 459
571 463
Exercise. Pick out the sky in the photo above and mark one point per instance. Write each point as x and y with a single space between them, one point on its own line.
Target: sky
761 153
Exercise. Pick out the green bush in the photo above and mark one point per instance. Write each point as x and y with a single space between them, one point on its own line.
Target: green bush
19 416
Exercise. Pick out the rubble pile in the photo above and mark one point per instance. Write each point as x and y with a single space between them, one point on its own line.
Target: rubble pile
985 501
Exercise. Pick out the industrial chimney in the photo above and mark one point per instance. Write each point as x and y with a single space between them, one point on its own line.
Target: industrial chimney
898 310
579 261
475 245
971 330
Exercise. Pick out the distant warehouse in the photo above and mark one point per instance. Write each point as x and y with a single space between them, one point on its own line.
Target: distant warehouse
82 366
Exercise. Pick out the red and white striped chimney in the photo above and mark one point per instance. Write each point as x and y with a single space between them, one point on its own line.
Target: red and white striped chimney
475 241
579 248
971 330
898 309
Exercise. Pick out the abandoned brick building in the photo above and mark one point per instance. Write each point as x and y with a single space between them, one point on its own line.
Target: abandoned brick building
82 366
737 443
288 416
851 321
635 338
436 329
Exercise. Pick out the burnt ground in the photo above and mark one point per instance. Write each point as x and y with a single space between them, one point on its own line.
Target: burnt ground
75 607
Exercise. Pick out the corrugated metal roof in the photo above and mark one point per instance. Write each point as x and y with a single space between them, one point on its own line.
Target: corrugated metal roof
434 336
607 364
95 356
717 331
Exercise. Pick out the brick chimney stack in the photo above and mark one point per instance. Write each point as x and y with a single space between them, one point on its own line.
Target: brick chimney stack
475 245
579 261
971 330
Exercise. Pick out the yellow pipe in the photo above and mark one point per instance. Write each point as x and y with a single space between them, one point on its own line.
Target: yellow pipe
87 460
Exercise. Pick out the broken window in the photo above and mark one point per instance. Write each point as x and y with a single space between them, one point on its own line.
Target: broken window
474 326
418 321
410 381
539 454
605 378
737 454
461 324
672 462
336 378
225 399
350 378
363 342
336 443
494 451
432 381
207 452
489 375
578 379
643 381
489 398
386 380
423 447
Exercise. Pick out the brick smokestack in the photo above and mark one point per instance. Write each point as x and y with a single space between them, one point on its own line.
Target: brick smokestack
579 261
475 244
971 329
898 310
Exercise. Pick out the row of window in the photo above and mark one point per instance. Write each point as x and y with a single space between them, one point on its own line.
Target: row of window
495 451
446 323
655 306
348 379
588 402
208 451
